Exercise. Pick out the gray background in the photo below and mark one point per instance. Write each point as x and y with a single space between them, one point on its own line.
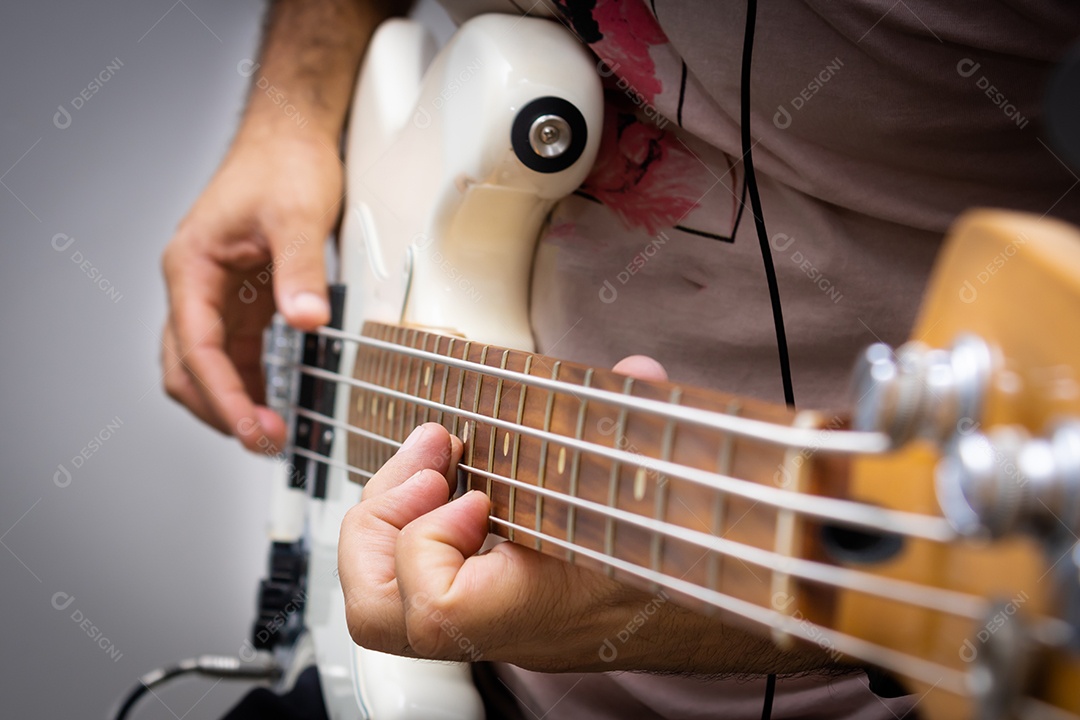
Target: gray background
159 537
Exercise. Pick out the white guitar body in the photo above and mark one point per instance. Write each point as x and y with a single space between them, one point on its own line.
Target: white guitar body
441 213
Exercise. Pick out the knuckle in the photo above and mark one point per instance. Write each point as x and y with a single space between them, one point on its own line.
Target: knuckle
369 623
173 386
424 627
357 621
356 520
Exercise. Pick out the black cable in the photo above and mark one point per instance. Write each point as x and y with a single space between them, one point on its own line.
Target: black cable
264 667
770 690
144 686
750 183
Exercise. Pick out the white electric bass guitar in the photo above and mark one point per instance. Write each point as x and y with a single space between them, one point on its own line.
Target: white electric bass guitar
930 536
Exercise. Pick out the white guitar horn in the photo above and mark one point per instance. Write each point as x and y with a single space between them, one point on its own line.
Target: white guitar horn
454 161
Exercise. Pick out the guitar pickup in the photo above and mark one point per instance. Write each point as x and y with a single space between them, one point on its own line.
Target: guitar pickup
296 394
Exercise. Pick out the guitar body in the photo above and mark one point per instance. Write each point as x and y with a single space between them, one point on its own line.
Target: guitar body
440 214
960 478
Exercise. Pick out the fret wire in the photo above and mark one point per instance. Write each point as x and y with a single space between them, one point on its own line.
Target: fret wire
379 417
403 425
835 441
843 512
786 522
362 398
445 381
723 466
373 365
512 511
911 666
575 468
460 387
493 436
613 481
430 375
376 409
391 415
949 602
661 485
541 471
471 432
419 367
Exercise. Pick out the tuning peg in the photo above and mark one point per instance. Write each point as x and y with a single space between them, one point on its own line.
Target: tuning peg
1006 481
920 392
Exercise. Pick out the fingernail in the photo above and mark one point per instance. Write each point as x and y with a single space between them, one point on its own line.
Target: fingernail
414 437
414 477
308 304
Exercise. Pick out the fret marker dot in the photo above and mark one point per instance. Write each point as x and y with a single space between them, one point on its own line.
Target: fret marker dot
360 404
390 411
465 434
562 460
639 483
375 406
427 376
506 444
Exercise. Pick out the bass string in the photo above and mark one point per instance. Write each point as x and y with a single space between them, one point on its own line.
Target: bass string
905 664
888 658
843 512
925 596
911 666
819 440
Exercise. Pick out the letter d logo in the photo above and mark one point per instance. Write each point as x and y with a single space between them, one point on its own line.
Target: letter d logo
61 242
62 476
248 293
968 293
782 118
421 118
62 118
608 293
967 67
62 600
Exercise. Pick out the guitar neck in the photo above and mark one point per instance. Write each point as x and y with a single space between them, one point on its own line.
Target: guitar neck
622 475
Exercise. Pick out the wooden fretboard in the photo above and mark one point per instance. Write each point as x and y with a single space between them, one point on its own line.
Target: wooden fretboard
510 464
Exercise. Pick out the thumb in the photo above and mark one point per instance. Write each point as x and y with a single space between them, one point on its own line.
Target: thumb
300 277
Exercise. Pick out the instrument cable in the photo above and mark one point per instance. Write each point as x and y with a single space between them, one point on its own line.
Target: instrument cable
750 184
264 667
755 203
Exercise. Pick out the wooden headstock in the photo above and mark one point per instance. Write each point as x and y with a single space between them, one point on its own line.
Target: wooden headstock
1012 280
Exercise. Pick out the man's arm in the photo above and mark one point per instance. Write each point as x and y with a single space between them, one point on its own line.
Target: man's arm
254 238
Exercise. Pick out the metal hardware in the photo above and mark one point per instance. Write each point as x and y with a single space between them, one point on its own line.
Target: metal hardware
1006 481
1000 656
921 392
281 355
549 136
316 394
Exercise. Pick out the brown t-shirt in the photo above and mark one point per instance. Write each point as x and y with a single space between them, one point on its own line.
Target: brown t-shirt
873 124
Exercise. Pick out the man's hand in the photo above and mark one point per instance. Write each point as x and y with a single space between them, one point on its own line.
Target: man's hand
255 238
415 584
